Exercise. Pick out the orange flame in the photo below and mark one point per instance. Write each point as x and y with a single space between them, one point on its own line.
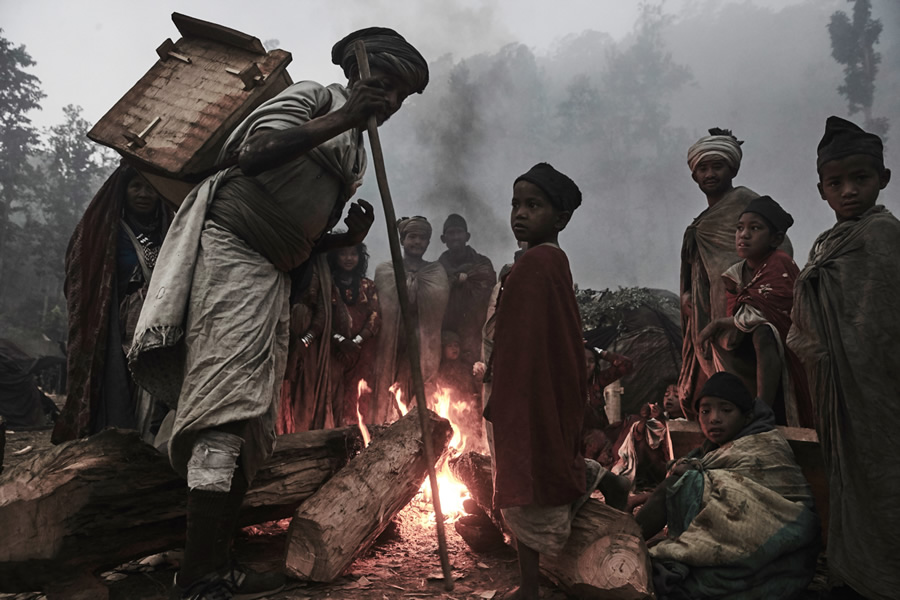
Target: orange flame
398 398
452 492
362 388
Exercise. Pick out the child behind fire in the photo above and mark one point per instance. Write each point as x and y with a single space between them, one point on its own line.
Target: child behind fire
738 508
538 382
455 379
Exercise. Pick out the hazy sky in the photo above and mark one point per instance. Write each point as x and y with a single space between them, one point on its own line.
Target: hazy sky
90 52
775 92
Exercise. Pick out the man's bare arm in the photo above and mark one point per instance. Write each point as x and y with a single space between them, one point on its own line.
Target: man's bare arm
269 148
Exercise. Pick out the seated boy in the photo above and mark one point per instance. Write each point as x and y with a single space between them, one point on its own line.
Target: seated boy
671 404
846 331
749 342
538 382
738 509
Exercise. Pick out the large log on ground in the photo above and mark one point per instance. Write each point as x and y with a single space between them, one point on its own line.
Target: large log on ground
342 520
605 556
88 505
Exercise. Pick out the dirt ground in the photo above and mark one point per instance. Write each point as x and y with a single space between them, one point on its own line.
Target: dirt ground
403 565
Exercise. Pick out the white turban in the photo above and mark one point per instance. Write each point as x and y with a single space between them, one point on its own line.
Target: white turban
724 146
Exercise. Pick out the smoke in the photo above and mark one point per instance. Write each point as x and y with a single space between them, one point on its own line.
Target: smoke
618 117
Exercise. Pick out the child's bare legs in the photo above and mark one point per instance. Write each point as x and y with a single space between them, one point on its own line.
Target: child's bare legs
653 516
768 364
615 489
528 589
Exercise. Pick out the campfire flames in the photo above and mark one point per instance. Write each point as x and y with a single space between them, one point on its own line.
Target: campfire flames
362 388
452 492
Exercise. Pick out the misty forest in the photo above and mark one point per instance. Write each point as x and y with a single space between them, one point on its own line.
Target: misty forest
618 115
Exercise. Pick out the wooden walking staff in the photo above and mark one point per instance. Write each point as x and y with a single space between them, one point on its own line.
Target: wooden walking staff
409 319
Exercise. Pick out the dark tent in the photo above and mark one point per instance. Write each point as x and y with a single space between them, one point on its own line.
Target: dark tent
643 324
22 403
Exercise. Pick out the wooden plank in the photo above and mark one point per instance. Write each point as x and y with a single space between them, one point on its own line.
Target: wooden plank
193 27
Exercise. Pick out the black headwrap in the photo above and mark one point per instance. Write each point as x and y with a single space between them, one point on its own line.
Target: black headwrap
561 190
727 387
388 51
771 211
456 221
843 138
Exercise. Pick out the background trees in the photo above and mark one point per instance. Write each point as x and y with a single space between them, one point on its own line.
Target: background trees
45 185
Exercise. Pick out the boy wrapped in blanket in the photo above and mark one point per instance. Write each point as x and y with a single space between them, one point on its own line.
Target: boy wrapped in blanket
739 511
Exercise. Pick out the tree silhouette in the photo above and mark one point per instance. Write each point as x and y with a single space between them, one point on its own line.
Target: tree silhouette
20 93
853 45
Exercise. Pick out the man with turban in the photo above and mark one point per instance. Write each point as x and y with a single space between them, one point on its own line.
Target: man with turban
428 292
213 334
472 278
707 251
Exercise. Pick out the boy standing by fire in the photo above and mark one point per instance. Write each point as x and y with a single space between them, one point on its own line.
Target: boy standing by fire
536 406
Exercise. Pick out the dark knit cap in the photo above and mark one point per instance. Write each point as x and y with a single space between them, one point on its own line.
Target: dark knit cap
771 211
456 221
843 138
727 387
561 190
449 337
388 51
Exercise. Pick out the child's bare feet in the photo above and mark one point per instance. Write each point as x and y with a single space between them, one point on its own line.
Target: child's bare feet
519 594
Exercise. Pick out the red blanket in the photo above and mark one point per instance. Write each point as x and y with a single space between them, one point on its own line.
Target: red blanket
771 291
539 384
90 269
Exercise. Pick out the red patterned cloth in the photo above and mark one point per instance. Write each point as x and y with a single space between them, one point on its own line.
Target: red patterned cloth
90 272
770 290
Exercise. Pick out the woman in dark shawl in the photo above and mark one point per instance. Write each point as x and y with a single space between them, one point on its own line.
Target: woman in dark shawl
110 258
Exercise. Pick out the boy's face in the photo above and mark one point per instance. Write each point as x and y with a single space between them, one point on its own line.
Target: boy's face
415 244
851 184
534 219
721 420
451 351
455 238
754 238
713 175
670 401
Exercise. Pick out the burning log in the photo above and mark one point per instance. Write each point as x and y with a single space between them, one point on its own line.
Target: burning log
605 556
474 471
93 504
342 520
